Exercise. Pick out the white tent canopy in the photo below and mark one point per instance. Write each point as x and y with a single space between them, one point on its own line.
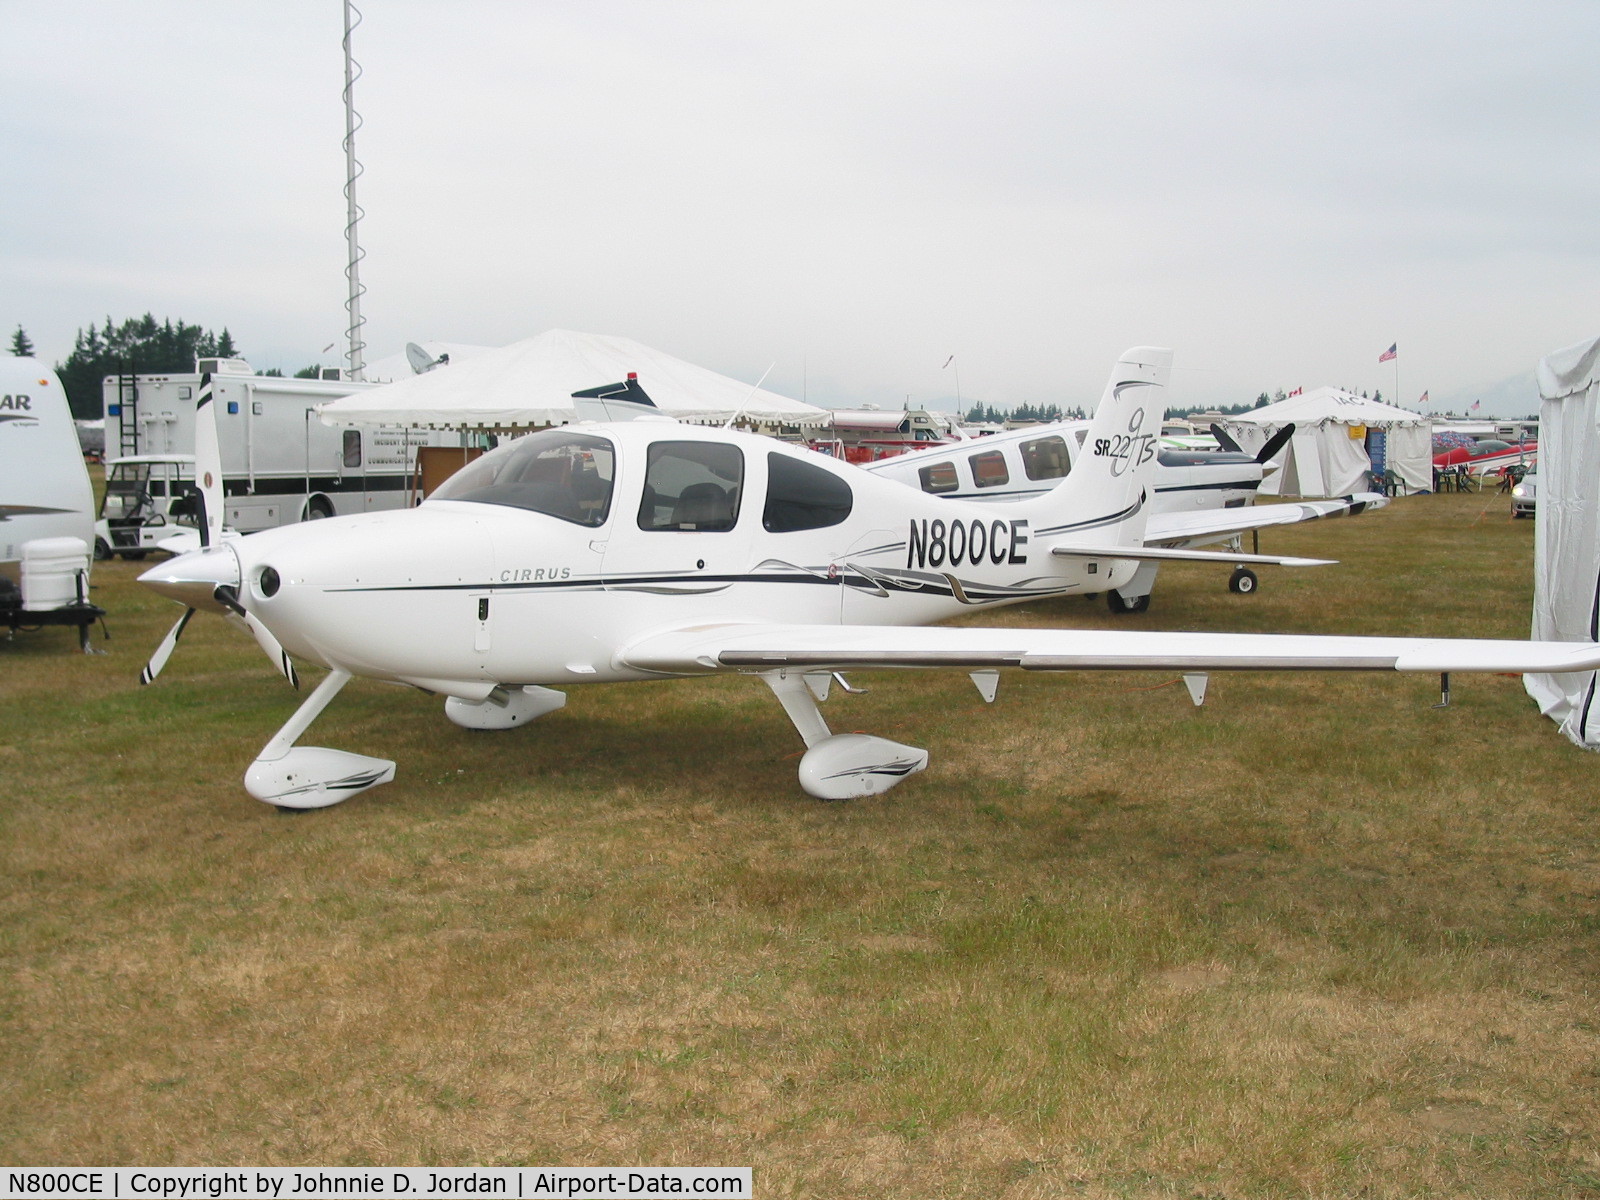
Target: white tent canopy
1327 455
1566 541
398 366
531 383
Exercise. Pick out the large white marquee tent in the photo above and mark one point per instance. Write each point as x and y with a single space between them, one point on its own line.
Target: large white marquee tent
531 383
1327 455
1566 556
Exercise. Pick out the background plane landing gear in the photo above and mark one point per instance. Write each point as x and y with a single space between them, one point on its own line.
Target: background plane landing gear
1121 605
1243 581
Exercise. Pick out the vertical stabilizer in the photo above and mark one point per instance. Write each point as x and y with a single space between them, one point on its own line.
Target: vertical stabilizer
207 465
1107 496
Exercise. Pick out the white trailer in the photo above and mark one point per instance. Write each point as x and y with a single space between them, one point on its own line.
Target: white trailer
46 503
280 463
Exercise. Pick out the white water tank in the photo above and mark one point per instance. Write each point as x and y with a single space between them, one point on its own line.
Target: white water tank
55 573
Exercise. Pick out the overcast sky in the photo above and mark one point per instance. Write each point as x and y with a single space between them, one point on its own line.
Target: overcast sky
852 191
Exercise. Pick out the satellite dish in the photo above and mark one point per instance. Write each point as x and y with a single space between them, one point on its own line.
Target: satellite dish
421 361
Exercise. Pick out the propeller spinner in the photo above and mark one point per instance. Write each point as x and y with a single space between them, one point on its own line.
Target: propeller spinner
210 577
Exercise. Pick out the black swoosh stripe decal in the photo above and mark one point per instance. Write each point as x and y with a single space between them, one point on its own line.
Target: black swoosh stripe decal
1096 522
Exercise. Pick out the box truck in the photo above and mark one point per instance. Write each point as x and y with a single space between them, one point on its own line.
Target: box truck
280 463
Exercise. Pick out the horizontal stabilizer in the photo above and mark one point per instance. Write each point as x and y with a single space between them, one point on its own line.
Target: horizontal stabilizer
1161 554
628 390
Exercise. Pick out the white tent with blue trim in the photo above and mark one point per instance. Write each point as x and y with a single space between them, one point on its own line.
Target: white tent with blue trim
1328 454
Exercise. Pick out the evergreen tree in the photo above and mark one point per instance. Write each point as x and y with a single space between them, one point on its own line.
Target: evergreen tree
314 371
137 346
21 344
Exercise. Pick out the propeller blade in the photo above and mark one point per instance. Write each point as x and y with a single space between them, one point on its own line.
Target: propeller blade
207 465
158 660
1275 443
273 650
229 598
1225 439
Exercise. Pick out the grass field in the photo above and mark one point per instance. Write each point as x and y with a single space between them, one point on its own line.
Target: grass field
1316 938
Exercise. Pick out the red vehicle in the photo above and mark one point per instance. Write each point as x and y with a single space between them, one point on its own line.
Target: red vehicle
868 435
1487 455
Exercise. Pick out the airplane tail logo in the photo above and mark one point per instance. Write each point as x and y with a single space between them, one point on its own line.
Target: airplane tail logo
1107 495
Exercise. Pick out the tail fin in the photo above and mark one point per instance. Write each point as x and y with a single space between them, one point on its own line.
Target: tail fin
1106 497
207 466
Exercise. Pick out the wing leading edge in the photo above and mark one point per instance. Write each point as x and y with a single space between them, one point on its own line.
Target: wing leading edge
751 647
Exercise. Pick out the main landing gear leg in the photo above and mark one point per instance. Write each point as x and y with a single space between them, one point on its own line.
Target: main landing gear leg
291 776
1134 596
840 766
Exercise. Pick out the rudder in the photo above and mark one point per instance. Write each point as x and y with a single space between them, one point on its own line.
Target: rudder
1107 495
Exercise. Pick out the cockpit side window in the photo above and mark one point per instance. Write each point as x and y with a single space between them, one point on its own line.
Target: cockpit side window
692 485
558 473
801 495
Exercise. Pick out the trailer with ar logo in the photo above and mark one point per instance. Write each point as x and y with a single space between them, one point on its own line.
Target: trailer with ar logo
46 504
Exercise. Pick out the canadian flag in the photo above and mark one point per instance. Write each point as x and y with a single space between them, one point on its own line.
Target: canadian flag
1297 391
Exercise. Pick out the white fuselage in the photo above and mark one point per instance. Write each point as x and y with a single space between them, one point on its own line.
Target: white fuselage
461 595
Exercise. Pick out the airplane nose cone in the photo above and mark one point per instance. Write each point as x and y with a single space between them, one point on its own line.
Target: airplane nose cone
192 579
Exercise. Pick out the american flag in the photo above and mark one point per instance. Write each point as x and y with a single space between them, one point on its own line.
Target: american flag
1424 399
1475 405
1389 353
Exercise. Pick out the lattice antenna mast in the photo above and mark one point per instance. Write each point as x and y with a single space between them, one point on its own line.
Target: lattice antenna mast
353 211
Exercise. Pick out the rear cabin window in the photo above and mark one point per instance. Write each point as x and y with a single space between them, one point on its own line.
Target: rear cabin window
940 477
801 495
352 448
692 485
1045 458
989 469
557 473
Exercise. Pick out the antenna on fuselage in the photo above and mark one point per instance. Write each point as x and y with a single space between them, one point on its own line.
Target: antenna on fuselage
739 412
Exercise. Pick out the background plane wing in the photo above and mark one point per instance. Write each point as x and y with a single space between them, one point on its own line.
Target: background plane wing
1211 525
753 647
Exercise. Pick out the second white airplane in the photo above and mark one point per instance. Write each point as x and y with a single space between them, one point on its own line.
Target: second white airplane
647 550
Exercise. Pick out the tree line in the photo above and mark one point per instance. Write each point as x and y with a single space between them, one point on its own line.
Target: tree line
137 346
988 414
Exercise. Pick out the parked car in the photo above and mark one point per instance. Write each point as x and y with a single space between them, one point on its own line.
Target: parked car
1525 496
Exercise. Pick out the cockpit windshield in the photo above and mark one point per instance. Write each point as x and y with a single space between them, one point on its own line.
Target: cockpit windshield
557 472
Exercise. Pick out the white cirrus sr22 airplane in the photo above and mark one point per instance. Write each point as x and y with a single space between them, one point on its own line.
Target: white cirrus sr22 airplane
645 550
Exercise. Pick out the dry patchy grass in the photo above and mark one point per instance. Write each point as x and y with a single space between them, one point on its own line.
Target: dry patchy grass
1316 938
